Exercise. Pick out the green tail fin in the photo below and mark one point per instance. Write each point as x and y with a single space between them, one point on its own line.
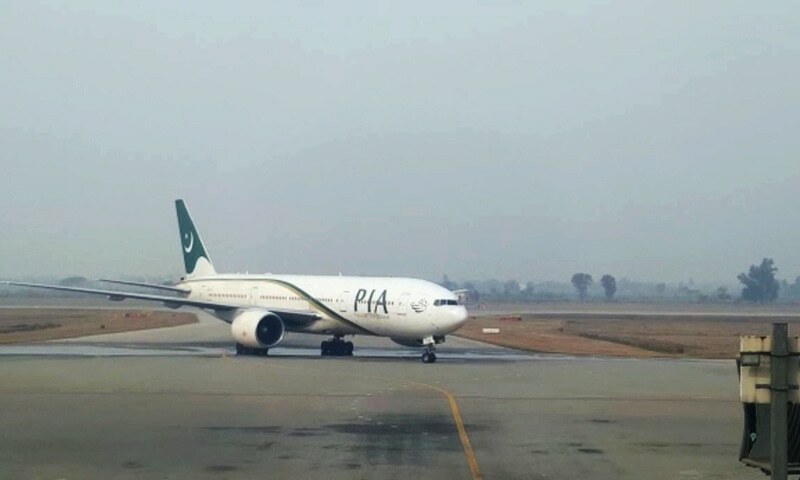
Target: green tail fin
195 258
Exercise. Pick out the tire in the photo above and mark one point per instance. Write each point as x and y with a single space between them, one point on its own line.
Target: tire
428 357
348 349
323 349
337 348
240 349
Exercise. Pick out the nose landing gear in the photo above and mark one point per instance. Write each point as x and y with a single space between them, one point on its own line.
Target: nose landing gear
429 356
336 347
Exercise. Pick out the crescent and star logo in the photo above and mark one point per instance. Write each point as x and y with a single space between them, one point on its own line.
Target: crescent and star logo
190 238
420 305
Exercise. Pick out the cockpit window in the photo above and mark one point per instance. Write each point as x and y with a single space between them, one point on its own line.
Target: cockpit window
438 303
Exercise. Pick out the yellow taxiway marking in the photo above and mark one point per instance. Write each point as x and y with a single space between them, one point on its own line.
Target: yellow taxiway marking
472 462
474 469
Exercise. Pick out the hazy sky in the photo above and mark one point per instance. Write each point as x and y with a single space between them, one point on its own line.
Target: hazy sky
651 140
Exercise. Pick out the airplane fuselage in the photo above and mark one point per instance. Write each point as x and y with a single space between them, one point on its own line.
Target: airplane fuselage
385 306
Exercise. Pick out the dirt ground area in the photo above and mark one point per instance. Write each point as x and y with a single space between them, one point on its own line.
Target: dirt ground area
37 324
684 335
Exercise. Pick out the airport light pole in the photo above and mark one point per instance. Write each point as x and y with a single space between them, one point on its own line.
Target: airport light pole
779 386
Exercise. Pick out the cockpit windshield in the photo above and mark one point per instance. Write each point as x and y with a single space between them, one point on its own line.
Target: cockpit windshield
438 303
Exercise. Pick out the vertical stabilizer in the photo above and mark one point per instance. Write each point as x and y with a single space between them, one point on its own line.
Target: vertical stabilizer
195 258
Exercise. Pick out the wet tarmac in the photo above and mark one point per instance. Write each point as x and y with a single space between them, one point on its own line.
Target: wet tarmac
143 350
176 403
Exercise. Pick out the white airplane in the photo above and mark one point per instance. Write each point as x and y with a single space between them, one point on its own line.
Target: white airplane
262 308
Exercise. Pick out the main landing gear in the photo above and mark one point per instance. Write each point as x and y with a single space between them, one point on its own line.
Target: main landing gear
243 350
336 347
429 356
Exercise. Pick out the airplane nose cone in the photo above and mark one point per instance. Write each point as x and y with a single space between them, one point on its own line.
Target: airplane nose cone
458 316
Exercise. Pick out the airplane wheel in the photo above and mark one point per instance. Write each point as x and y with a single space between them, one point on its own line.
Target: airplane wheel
348 349
324 349
240 349
428 357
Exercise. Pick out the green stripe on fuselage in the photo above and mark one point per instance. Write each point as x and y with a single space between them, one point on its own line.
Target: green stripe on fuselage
316 304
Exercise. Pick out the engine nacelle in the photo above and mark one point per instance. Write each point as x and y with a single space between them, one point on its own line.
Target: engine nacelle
416 342
257 328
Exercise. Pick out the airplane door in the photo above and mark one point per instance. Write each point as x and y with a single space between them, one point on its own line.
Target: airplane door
253 296
343 301
402 304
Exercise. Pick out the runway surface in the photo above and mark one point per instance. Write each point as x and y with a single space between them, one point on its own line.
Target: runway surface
175 403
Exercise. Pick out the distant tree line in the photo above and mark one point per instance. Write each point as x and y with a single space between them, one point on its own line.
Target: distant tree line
582 282
516 291
759 285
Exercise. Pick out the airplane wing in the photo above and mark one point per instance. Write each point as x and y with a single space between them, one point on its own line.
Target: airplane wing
292 316
154 286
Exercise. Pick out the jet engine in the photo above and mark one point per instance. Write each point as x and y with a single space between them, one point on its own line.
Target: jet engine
257 328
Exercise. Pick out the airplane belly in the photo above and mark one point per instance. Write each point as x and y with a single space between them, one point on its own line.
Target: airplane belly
405 326
325 326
